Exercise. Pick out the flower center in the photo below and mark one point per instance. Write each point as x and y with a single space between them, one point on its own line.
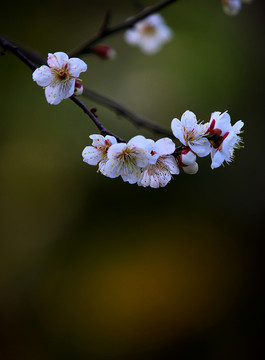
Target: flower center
63 73
148 30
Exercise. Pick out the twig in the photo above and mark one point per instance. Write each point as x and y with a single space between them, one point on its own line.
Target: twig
94 118
107 31
122 110
7 45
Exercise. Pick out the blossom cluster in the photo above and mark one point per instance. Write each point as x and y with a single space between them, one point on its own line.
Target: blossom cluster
232 7
149 163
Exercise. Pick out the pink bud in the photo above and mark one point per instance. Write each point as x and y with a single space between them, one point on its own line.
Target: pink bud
78 88
104 52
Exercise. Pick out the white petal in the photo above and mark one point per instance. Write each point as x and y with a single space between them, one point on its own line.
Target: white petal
77 66
223 122
177 130
217 160
132 36
164 146
189 158
189 120
116 149
91 155
57 60
201 147
52 93
191 169
112 168
43 76
237 126
171 164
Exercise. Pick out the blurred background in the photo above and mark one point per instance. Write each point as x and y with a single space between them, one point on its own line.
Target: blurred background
95 268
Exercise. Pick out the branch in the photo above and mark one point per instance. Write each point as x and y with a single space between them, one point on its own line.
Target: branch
106 31
7 45
94 118
122 110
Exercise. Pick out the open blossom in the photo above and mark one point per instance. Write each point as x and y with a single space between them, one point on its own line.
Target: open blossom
161 165
149 34
58 78
225 138
233 7
127 160
97 153
191 133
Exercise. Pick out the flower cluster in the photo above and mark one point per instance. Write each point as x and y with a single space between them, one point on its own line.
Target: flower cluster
232 7
149 163
60 77
149 34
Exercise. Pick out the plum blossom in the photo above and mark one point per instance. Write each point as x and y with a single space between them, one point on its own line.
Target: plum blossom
127 159
58 78
149 34
97 153
191 134
233 7
161 165
225 138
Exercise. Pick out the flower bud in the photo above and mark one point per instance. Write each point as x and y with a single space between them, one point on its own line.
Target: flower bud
187 157
105 52
78 88
191 169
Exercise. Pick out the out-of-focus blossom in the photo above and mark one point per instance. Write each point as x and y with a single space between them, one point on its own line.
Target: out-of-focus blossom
149 34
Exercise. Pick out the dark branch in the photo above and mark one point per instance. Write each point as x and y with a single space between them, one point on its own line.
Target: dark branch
7 45
122 110
93 117
106 31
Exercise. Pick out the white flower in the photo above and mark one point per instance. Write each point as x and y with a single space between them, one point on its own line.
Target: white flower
232 7
59 76
97 153
190 133
225 138
161 166
128 159
149 34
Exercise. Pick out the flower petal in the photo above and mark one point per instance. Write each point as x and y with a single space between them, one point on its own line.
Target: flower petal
201 147
57 60
91 155
177 130
43 76
164 146
76 66
217 159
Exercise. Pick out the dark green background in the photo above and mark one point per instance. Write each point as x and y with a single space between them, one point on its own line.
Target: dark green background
95 268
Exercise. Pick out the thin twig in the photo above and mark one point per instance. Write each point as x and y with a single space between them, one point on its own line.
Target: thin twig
94 118
107 31
7 45
124 111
